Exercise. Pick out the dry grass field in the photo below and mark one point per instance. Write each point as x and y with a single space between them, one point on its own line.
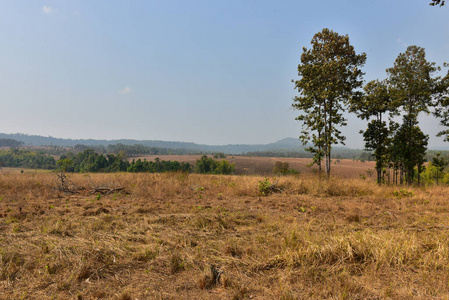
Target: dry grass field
245 165
188 236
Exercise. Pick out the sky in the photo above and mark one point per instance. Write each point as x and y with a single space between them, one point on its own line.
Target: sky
203 71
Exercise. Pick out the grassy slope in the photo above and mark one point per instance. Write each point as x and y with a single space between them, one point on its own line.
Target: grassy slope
342 239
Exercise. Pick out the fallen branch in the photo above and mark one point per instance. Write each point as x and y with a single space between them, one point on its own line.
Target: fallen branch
103 190
64 184
106 190
274 188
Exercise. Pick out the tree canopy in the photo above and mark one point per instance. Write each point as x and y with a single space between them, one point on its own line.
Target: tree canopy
330 75
413 88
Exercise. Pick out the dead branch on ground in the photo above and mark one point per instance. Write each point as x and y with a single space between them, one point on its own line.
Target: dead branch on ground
64 184
103 190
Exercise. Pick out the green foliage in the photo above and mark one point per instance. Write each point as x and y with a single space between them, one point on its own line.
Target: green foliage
375 103
224 167
207 165
264 187
26 159
440 163
64 164
91 161
442 105
412 85
413 89
409 148
402 193
158 166
282 168
434 172
219 155
330 72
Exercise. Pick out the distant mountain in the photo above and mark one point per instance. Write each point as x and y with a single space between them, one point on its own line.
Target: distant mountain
287 144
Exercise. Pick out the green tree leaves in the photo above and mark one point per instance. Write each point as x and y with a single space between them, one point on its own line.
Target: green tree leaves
329 76
413 89
207 165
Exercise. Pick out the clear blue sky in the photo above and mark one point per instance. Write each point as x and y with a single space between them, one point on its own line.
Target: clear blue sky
211 72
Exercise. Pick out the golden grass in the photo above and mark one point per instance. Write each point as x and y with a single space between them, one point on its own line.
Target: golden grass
173 236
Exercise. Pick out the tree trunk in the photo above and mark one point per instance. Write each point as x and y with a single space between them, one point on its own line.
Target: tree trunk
328 141
378 156
319 152
379 175
319 168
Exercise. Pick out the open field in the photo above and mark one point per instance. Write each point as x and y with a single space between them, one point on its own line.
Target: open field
9 171
180 236
246 165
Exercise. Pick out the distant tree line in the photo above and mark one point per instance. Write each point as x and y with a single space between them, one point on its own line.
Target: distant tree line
91 161
10 143
26 159
158 166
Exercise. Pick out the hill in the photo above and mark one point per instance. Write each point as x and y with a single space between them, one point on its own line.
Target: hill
287 144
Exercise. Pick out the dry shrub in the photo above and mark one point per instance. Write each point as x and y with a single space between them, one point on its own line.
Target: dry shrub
233 249
95 264
124 296
147 255
11 265
177 263
211 277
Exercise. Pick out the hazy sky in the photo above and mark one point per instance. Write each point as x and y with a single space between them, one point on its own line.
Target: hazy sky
211 72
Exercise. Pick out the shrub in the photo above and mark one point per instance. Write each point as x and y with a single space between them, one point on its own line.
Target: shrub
207 165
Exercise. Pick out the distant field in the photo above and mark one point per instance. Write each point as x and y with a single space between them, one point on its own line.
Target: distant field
344 168
7 170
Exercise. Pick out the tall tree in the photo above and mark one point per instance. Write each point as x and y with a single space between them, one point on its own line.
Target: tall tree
413 88
329 77
410 145
374 105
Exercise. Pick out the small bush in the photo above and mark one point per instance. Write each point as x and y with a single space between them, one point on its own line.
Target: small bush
177 263
403 193
264 187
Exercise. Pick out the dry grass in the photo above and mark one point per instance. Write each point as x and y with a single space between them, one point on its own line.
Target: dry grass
245 165
213 237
